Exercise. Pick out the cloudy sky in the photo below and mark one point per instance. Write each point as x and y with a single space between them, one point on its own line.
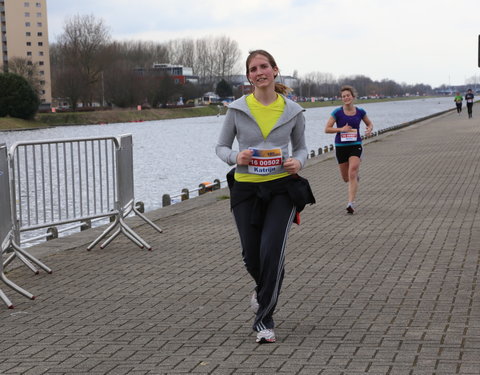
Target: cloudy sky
409 41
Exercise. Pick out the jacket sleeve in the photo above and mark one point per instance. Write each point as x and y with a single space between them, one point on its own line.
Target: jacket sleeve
223 148
299 147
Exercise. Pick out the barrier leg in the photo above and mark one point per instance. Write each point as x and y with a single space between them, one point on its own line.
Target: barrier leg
104 234
15 287
19 253
5 300
121 229
147 220
30 257
9 260
125 229
131 234
25 261
110 239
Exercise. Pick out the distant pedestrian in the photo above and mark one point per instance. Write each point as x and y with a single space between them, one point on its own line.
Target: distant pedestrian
458 102
469 99
266 192
348 142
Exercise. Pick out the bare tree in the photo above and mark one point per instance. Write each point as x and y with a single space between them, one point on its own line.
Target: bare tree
203 66
67 81
141 54
28 70
181 52
83 46
226 56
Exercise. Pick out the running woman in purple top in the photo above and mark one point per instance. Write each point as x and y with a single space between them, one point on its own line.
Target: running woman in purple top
348 142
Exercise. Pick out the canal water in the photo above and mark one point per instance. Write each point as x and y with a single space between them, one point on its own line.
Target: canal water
170 155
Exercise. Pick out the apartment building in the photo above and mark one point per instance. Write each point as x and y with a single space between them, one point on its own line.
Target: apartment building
24 32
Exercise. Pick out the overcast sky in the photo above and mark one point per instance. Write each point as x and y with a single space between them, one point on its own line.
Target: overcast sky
409 41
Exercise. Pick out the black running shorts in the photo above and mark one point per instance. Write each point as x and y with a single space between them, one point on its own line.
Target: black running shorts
344 152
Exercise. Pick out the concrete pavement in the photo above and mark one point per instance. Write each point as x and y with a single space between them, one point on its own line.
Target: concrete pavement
392 289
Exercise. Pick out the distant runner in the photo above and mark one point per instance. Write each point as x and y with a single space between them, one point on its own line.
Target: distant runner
469 99
348 143
458 102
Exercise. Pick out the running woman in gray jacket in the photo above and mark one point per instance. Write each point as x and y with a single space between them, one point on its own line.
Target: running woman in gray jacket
265 188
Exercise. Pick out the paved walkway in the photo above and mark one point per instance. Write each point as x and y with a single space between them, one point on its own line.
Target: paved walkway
391 290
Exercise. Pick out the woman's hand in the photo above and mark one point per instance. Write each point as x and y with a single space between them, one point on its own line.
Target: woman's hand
292 166
346 129
244 157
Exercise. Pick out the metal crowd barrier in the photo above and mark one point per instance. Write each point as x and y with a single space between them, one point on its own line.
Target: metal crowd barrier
126 198
7 240
62 181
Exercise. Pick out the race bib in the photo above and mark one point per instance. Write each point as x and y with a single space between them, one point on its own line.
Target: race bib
265 162
348 137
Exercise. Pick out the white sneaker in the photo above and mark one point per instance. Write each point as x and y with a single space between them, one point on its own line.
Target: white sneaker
266 336
254 302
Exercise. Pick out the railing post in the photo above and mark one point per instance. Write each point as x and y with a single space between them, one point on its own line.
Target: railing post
140 206
185 194
166 200
87 224
52 233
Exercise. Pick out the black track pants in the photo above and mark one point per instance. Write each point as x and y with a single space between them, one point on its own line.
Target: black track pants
263 250
470 109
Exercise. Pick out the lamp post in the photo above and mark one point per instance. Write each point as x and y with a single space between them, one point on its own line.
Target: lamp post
103 92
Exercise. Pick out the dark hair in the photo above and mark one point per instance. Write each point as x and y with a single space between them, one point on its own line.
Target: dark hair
349 88
279 87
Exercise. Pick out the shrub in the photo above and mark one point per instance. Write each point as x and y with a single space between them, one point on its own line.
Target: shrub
17 98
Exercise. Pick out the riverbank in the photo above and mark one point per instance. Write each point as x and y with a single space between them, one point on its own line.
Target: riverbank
44 120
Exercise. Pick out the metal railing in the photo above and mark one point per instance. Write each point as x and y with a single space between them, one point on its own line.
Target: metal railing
7 241
63 181
125 203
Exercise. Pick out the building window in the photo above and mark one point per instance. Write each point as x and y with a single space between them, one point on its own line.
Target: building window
39 14
40 44
28 33
40 53
29 44
39 24
38 5
40 34
42 72
29 53
27 14
26 4
42 83
41 63
27 24
29 62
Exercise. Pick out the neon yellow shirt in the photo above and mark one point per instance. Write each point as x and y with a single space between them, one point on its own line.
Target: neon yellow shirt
266 117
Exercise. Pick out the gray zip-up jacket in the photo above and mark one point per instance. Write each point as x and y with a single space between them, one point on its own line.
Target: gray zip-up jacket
240 123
